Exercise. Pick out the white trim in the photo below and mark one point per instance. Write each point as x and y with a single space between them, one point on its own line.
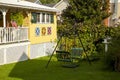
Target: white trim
4 19
40 17
4 11
27 5
113 1
13 45
58 3
45 18
37 2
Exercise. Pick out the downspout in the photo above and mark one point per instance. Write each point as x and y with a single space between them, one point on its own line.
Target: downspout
116 7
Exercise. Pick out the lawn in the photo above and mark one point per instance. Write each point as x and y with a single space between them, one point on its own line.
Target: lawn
35 70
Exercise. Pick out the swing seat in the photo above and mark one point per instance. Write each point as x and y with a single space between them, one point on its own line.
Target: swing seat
76 53
73 57
63 56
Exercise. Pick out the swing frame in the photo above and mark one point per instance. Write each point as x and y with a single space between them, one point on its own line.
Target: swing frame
79 38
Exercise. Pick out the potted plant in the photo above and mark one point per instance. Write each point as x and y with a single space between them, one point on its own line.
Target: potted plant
17 17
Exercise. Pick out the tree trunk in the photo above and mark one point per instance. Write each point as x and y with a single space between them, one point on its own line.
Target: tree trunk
117 64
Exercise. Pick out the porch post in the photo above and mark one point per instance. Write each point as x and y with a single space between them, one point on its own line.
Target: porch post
4 11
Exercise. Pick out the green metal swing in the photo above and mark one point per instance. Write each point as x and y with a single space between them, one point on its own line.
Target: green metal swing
65 56
72 56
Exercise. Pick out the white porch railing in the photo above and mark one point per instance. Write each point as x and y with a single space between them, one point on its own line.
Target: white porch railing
12 34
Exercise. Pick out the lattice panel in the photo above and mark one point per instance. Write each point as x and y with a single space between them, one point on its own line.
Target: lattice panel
37 50
49 48
1 56
18 53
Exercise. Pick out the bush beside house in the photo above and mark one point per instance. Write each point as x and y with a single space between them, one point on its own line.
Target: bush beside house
112 58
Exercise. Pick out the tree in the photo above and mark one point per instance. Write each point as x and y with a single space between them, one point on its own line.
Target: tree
49 1
87 16
87 10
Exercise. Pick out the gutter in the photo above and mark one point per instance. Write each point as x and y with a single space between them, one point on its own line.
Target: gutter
28 7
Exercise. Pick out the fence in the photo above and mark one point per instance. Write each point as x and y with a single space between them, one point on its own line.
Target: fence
12 34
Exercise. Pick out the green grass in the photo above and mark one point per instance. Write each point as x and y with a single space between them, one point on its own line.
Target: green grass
35 70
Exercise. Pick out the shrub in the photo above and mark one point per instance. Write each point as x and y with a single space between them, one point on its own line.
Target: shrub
18 17
112 58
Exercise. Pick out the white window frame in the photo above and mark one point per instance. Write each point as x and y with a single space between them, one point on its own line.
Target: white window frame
43 22
47 18
37 18
40 17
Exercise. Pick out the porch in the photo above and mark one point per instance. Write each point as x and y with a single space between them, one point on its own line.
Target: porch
13 35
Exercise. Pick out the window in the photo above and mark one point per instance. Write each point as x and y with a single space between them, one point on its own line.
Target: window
1 16
47 18
38 17
52 18
34 18
42 18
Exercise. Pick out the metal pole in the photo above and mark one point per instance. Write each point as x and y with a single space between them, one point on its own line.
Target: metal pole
53 52
76 32
84 48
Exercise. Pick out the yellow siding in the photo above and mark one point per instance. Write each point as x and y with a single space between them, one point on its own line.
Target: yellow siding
28 52
41 39
31 29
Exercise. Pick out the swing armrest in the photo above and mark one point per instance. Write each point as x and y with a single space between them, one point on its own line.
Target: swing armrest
63 56
62 52
76 53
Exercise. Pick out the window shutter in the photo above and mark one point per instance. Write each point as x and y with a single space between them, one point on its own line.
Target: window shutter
34 18
52 18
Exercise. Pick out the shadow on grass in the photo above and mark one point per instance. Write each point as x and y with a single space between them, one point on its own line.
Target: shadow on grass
35 70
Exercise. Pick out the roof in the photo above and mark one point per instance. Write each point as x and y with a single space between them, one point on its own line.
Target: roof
56 4
34 1
61 2
31 0
50 5
26 5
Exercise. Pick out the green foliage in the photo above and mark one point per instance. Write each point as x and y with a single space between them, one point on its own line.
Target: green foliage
18 17
86 16
92 39
94 11
35 70
112 59
49 1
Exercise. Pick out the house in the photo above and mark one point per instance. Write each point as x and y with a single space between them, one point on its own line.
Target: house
61 5
34 1
114 19
34 38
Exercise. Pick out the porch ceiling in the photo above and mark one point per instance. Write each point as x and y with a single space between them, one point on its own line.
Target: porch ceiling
26 5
